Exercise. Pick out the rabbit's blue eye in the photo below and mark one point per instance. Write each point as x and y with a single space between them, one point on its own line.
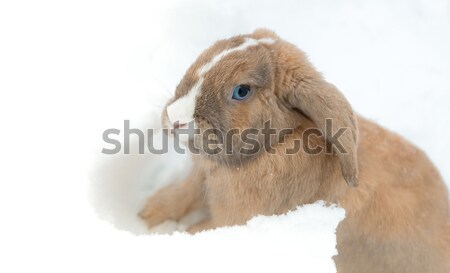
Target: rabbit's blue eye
240 92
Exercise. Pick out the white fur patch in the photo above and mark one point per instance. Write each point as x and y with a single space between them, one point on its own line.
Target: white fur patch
182 110
248 42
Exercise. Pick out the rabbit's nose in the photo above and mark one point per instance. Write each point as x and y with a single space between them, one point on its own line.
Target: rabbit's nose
178 125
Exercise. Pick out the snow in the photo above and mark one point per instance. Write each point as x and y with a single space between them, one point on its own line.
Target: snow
300 239
70 70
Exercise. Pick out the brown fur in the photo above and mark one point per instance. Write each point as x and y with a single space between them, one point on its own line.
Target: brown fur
397 219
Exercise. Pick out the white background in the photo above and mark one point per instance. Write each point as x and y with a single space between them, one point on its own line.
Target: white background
71 69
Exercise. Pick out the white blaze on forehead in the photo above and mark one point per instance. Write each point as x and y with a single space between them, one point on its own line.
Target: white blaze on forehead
182 110
248 42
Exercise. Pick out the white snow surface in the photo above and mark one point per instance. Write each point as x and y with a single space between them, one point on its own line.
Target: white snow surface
300 240
70 70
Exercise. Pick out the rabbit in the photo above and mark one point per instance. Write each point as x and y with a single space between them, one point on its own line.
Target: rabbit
397 205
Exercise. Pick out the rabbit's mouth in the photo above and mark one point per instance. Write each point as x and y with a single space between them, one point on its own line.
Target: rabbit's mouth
203 123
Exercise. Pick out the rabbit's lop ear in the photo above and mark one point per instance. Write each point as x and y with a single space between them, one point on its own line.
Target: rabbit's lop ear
320 101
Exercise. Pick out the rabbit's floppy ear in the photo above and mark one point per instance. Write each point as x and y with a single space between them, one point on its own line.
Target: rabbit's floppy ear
320 100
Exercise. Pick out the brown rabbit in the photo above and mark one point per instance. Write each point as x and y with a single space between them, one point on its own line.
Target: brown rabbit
397 206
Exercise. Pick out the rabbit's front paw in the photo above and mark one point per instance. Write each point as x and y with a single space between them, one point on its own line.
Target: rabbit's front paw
156 211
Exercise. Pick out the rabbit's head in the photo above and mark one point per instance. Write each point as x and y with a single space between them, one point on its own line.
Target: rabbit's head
253 82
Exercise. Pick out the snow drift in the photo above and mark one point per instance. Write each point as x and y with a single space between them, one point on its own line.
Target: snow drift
302 239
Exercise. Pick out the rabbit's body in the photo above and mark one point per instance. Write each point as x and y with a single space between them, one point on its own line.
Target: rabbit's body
397 219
